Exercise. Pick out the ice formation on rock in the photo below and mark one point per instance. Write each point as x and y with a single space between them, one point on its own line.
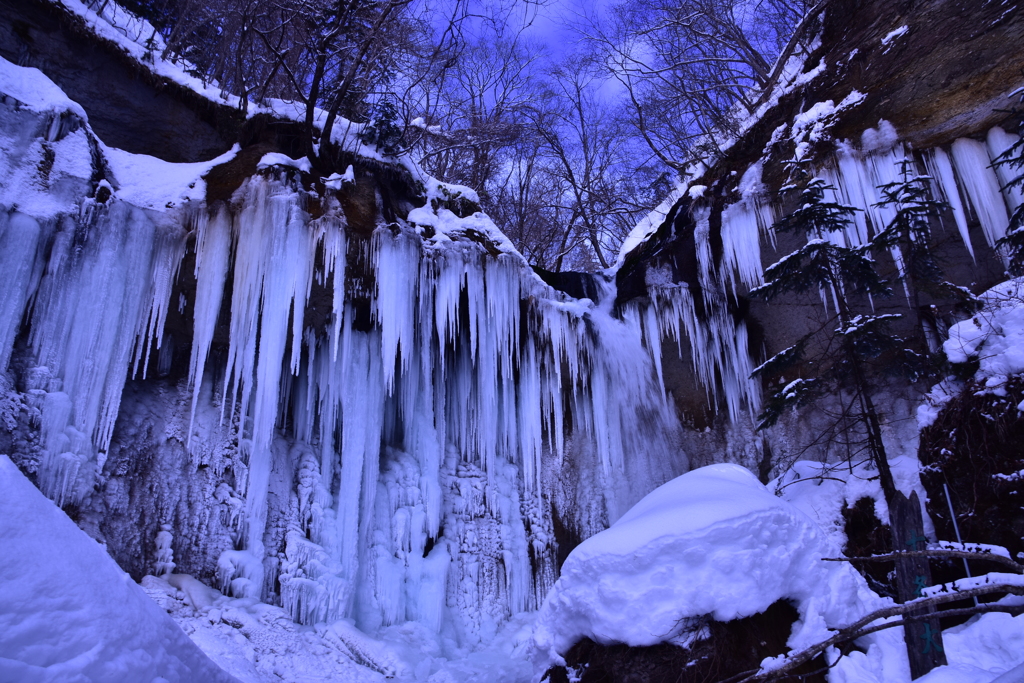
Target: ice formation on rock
386 463
389 423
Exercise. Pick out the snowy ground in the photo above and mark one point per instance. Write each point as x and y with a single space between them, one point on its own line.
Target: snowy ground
715 541
259 643
711 541
67 611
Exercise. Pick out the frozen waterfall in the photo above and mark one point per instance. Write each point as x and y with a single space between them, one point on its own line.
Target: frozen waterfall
391 461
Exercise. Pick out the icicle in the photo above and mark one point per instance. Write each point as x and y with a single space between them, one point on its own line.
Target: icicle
330 234
397 275
271 285
705 259
19 237
941 170
743 223
982 187
169 250
741 245
213 246
362 422
164 553
998 142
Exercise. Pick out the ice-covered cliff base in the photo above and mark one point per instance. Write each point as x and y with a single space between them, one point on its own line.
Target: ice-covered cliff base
375 425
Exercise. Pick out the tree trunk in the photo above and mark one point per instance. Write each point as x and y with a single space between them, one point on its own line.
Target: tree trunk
924 638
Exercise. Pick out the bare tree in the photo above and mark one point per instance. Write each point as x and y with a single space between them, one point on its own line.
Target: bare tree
692 69
595 159
483 108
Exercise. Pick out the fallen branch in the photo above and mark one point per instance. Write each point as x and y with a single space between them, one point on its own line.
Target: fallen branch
938 553
861 627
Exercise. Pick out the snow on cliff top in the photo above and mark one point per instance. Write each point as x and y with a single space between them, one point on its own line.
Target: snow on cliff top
649 225
140 40
35 91
713 542
68 613
142 180
153 183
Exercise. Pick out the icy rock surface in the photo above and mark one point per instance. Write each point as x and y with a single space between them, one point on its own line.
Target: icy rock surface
993 338
390 462
68 613
713 542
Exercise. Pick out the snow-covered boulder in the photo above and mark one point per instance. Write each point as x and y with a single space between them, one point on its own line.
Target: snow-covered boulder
713 542
994 336
68 613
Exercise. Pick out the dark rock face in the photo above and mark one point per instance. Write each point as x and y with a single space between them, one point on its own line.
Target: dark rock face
975 448
729 648
128 108
946 77
576 285
151 479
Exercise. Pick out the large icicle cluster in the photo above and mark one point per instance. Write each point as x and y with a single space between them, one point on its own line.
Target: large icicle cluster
472 373
718 343
94 290
963 175
391 461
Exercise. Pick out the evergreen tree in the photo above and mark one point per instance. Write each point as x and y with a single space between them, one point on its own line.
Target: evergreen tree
909 234
836 356
383 130
1013 242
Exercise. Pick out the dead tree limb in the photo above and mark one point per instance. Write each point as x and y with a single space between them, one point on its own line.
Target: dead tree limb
862 627
938 553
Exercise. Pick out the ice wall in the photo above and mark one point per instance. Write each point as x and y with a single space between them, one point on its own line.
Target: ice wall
962 174
421 438
392 461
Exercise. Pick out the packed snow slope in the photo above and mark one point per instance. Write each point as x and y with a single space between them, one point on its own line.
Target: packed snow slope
68 613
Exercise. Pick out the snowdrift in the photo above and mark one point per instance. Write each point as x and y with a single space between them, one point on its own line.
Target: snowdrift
68 613
711 542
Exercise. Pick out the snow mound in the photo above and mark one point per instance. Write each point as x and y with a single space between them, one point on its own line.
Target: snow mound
714 542
982 649
995 335
68 613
